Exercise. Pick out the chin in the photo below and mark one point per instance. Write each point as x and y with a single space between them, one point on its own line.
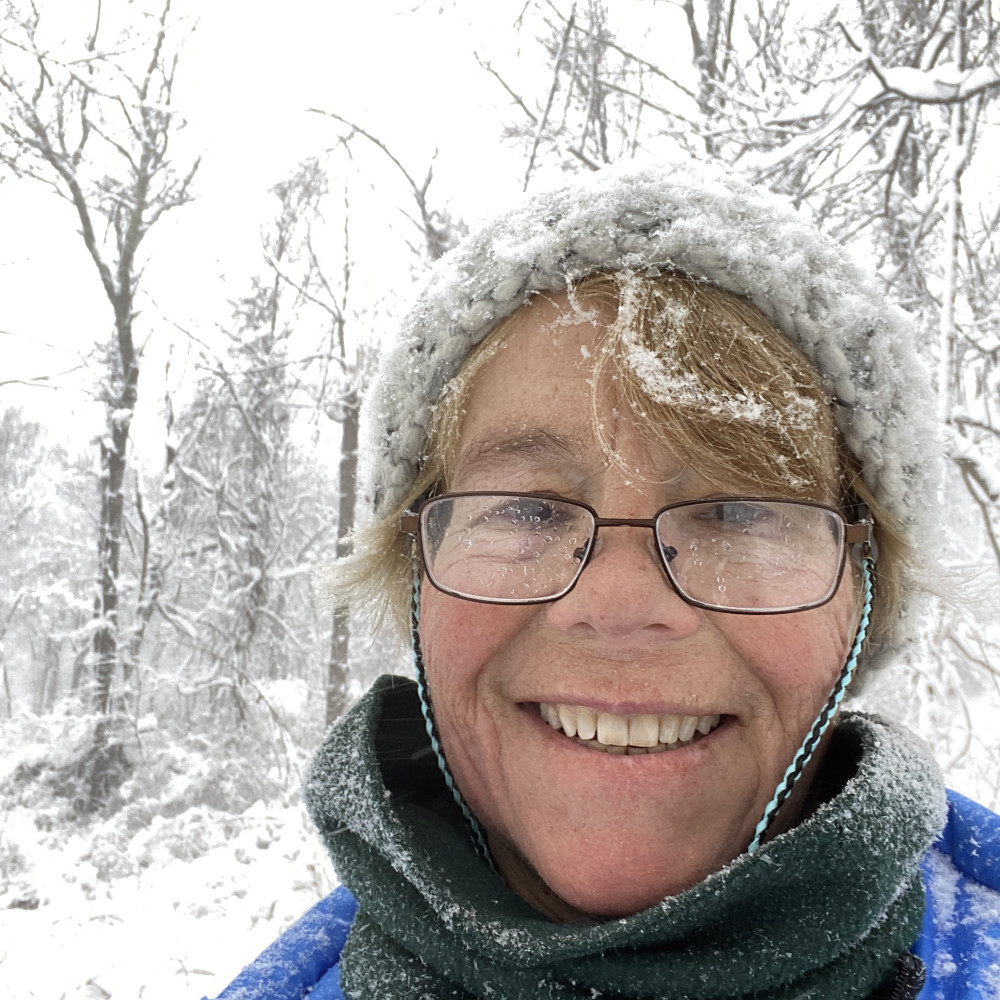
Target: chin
619 882
619 901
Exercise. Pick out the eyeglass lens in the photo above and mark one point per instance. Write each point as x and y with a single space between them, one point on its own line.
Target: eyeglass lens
730 554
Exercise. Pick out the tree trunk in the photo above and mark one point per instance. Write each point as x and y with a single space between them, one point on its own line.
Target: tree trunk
337 667
6 683
48 682
103 766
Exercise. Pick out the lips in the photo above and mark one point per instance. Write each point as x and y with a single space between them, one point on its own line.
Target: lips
627 734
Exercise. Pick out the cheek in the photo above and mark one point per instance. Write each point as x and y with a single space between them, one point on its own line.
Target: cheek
462 644
465 648
796 657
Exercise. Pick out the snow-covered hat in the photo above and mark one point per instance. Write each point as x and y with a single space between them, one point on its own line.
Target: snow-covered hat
691 218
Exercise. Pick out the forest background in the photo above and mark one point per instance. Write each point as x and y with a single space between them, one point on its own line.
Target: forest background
210 220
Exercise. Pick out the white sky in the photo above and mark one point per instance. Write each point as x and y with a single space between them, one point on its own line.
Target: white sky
248 74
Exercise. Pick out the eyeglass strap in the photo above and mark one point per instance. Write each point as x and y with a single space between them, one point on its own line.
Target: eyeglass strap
427 710
825 717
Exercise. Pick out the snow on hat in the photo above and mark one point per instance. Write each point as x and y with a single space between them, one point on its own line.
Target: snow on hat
692 218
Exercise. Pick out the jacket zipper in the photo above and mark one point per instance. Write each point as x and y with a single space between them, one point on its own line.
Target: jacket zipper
910 978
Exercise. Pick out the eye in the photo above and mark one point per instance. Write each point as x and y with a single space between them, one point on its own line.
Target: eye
743 518
736 512
532 510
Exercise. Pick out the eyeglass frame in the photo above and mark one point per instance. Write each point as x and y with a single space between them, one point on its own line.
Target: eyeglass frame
857 536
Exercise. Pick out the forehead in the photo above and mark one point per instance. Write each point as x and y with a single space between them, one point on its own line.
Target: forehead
539 375
537 407
704 388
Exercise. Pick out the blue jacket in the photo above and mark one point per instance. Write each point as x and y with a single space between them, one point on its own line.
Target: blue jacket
959 943
960 939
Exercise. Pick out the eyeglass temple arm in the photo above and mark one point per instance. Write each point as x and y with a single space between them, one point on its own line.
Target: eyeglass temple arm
861 537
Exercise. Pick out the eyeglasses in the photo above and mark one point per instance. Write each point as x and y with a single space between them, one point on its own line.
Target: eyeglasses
743 555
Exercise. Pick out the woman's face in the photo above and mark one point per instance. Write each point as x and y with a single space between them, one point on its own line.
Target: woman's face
610 833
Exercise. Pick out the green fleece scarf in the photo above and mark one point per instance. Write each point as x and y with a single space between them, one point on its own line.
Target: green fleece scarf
821 911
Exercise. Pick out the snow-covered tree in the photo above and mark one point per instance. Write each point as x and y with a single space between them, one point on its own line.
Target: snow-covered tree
92 119
253 509
45 543
435 232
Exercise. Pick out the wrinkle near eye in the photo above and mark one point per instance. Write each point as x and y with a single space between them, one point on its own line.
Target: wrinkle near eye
531 460
535 446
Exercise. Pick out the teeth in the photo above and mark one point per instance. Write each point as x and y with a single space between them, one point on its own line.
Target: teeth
631 734
670 726
688 725
706 724
643 730
612 730
586 723
567 718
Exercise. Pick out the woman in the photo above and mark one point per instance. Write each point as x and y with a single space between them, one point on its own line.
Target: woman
649 468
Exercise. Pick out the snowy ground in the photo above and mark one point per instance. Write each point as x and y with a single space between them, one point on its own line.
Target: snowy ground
144 923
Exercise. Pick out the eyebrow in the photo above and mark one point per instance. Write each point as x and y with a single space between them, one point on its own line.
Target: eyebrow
535 444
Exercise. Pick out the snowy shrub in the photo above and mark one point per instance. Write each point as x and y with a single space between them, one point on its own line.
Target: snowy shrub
109 859
11 860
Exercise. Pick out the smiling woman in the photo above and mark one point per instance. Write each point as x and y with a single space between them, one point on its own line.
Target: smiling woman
621 642
648 466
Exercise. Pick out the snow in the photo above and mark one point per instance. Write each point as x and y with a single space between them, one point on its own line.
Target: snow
144 922
965 451
982 911
681 215
947 82
967 917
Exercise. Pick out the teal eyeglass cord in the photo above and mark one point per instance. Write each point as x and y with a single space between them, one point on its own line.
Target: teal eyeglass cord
476 831
825 717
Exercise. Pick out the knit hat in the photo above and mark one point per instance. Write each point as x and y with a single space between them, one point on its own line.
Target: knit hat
692 218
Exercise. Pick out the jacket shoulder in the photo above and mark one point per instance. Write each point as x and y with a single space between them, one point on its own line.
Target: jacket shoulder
304 960
960 938
972 839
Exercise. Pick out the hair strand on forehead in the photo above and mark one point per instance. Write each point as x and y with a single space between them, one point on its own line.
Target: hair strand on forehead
705 374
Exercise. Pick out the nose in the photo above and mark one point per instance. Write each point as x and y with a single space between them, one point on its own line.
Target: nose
623 593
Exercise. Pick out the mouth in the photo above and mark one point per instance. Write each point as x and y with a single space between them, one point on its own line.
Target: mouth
627 734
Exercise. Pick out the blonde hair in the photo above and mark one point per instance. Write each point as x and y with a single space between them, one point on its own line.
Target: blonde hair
702 371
